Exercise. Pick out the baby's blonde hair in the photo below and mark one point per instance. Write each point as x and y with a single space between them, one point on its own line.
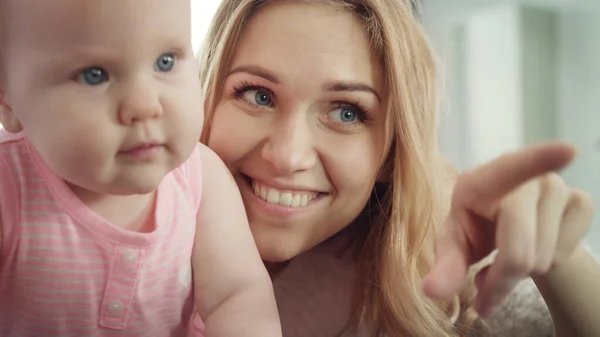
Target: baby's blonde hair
397 247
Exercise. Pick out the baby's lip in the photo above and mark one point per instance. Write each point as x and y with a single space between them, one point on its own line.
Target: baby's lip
141 146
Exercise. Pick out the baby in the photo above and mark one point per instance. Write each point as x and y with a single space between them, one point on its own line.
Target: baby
114 221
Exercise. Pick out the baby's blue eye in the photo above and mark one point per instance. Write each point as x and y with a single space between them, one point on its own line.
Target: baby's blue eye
165 62
94 76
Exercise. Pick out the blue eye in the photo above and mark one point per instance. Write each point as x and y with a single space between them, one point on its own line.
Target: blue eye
344 115
94 76
258 97
165 62
262 98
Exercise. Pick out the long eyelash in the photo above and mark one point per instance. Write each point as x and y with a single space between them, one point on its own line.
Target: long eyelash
244 86
239 90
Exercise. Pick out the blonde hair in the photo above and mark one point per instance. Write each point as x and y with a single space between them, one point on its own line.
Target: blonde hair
397 249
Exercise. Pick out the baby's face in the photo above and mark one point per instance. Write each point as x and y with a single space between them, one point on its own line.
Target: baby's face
106 91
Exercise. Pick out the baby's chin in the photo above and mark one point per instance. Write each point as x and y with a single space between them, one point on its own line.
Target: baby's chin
137 189
122 189
131 182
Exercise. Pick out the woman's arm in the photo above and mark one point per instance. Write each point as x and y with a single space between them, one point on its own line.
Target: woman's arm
572 293
571 289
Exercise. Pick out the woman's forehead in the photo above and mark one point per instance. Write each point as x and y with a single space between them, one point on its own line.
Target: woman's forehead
308 42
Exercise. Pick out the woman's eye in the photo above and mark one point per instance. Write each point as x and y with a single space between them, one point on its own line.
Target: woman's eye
93 76
344 115
165 62
258 97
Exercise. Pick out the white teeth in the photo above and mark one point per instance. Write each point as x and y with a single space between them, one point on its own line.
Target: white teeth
285 198
263 193
296 201
273 196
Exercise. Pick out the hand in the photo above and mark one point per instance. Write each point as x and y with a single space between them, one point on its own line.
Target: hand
518 206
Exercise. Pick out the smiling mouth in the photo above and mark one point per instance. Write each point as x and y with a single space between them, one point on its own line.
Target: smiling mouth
287 198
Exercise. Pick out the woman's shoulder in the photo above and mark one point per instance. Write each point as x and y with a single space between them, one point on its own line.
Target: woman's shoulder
524 314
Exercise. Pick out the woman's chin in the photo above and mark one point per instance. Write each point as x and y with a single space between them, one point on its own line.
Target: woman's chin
278 247
274 252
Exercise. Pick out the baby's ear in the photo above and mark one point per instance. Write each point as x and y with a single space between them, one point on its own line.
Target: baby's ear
7 117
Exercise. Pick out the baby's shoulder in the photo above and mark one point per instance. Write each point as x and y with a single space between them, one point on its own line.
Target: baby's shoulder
15 160
13 156
14 150
8 138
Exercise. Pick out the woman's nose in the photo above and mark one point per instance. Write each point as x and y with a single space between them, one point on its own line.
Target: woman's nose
290 147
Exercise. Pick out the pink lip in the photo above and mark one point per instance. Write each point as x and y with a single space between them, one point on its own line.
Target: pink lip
143 151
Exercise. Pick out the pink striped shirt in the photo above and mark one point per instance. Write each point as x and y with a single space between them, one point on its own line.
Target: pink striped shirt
65 271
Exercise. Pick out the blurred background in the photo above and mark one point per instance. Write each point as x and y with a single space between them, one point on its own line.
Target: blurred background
516 72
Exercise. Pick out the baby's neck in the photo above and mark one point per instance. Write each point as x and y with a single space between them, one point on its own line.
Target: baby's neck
131 212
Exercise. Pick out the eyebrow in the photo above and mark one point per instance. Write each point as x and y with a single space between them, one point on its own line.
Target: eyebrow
256 71
337 86
351 86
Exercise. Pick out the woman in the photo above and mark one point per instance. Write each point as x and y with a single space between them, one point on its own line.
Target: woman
325 112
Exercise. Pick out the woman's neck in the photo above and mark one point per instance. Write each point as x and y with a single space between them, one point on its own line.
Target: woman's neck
344 246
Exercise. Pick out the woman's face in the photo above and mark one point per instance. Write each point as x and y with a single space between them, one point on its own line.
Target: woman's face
301 124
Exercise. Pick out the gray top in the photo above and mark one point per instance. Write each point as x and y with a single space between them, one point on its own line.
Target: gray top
524 314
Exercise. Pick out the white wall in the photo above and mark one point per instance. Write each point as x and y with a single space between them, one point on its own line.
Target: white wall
493 83
540 46
519 74
480 57
579 100
202 14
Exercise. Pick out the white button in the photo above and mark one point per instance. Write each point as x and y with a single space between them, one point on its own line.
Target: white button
130 256
115 307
